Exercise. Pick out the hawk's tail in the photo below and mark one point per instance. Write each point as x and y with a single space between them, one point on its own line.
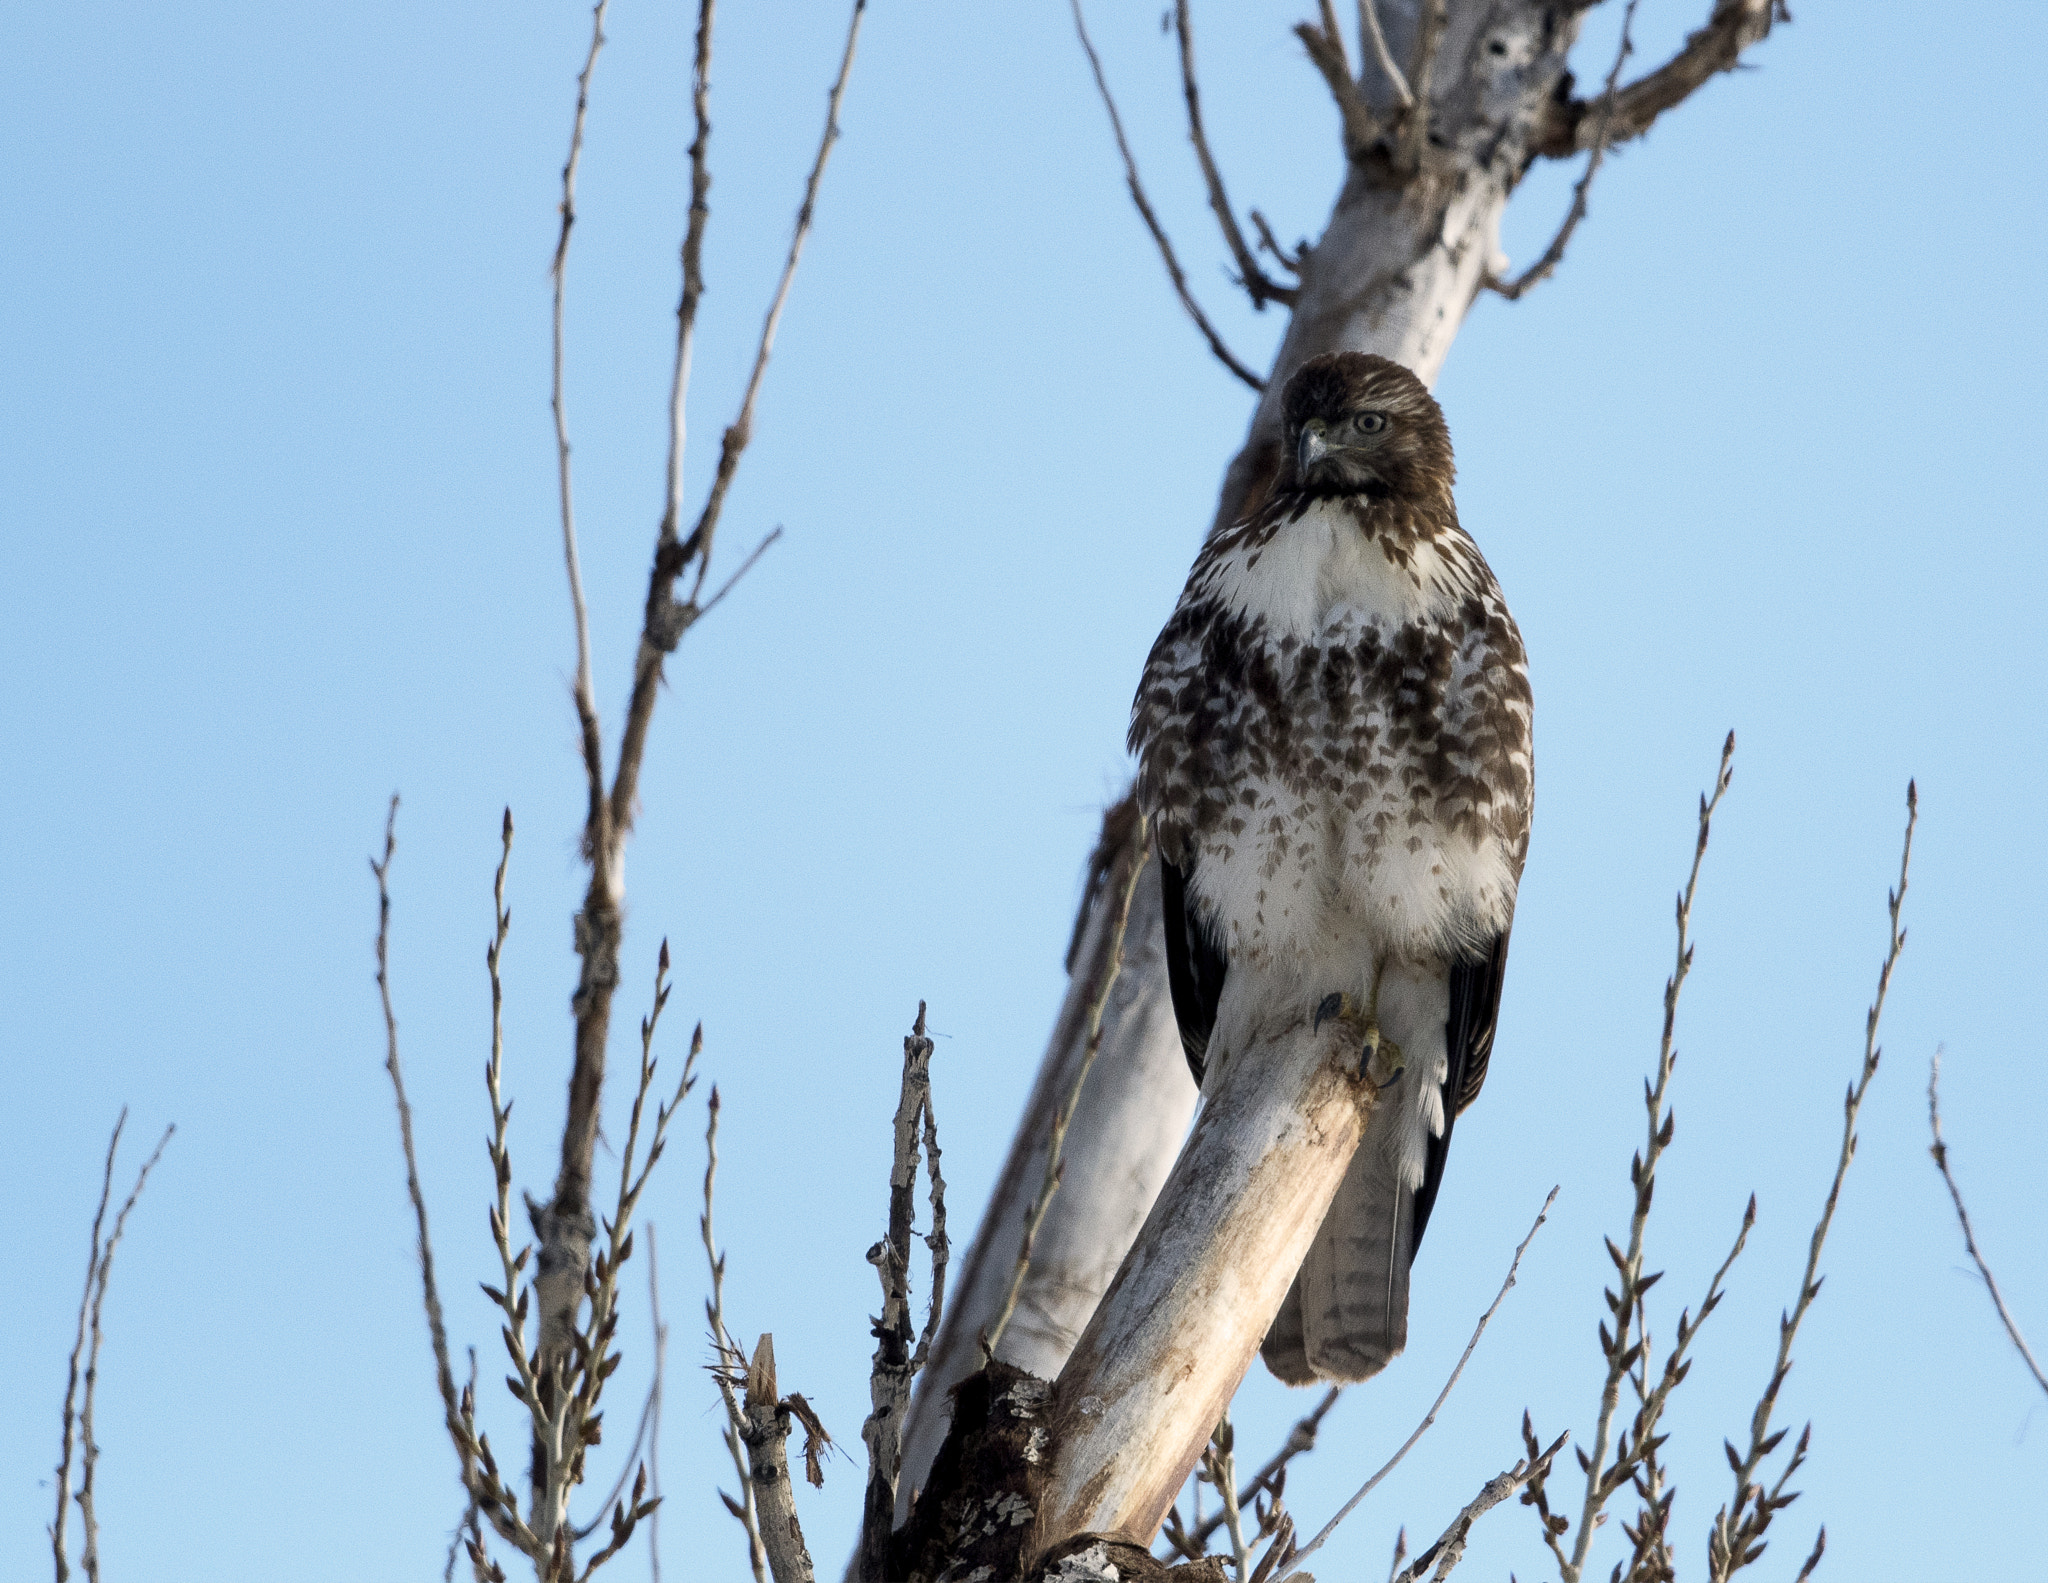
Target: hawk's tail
1346 1315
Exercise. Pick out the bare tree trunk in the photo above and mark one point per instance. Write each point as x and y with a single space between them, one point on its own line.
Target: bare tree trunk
1412 240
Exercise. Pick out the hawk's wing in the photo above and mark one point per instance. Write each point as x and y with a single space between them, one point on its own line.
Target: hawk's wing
1468 1042
1194 967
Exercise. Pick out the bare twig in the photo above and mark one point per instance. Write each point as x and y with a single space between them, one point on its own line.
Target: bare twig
1180 282
742 428
1400 1553
1301 1438
586 697
1135 857
1429 32
466 1526
1737 1536
89 1451
1435 1407
1261 288
437 1328
937 1247
1731 27
1449 1550
1221 1466
92 1270
1370 34
693 271
1553 255
654 1405
895 1364
1325 46
1939 1150
1291 262
727 1357
1660 1125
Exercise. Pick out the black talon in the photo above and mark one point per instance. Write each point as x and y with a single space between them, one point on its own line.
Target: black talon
1332 1004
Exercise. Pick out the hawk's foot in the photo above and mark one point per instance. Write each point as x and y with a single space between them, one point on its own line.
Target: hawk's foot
1380 1060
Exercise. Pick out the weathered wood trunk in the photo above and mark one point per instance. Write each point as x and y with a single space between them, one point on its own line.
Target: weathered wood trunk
1411 241
1172 1337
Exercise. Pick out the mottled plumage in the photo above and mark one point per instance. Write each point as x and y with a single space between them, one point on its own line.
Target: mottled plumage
1334 750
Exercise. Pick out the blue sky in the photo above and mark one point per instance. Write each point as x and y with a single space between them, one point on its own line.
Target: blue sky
1768 453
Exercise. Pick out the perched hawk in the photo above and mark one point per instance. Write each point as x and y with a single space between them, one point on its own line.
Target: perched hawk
1333 744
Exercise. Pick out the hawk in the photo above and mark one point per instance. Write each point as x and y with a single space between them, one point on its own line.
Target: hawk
1333 748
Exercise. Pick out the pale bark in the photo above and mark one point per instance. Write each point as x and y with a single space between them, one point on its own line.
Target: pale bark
1172 1338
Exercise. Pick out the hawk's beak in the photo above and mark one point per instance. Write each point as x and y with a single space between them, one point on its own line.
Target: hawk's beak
1311 449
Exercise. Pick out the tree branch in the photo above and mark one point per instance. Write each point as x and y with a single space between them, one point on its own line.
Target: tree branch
1429 34
92 1269
1737 1536
1257 284
1180 283
1448 1551
1731 27
728 1360
1553 255
895 1363
1940 1152
1370 34
1325 46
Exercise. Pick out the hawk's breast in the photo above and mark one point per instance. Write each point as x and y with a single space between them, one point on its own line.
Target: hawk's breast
1333 734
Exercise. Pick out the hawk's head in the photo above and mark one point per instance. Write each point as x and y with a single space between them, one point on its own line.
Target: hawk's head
1357 424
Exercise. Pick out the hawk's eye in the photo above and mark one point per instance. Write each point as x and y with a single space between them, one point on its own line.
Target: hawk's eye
1370 422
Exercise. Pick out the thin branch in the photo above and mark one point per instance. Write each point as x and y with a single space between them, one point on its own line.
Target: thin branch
92 1270
1660 1126
1291 262
1435 1407
693 270
895 1364
745 567
586 697
1448 1551
1737 1536
1325 46
742 427
437 1328
1955 1193
1422 64
654 1403
1369 31
466 1527
1180 282
1221 1466
1257 284
1553 255
937 1246
724 1351
1731 27
1301 1438
1136 856
89 1553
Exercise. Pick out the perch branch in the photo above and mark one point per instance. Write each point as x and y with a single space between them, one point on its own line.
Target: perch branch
1737 1537
1435 1407
1940 1152
1180 282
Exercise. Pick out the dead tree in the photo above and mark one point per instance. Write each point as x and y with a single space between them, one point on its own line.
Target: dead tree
1443 106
